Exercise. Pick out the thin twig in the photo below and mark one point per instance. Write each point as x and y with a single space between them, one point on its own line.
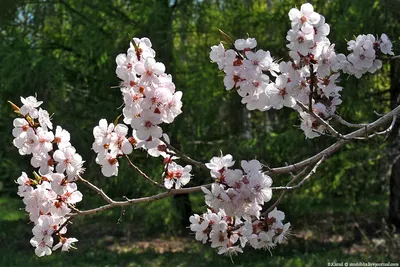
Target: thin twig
348 124
184 157
63 225
276 203
384 132
130 202
334 147
323 122
96 189
142 173
305 179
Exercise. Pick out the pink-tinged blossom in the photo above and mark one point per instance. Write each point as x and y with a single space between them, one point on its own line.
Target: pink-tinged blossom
245 44
327 61
172 107
218 165
66 243
260 185
199 225
44 162
21 128
119 143
28 143
217 55
42 245
147 125
176 174
310 125
102 132
45 139
72 195
62 137
385 45
283 233
59 183
299 42
25 186
251 166
278 94
304 18
109 165
216 196
69 161
44 227
328 85
149 69
321 30
143 50
30 105
266 240
44 119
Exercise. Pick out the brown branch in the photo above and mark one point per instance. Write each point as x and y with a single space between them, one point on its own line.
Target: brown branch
276 203
96 189
384 132
305 179
130 202
348 124
142 173
334 147
63 225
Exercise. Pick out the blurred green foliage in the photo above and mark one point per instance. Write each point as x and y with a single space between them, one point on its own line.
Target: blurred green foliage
64 51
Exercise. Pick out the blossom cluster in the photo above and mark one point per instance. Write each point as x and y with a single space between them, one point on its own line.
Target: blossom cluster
110 142
311 75
364 51
230 234
176 174
149 99
235 201
238 192
148 92
51 194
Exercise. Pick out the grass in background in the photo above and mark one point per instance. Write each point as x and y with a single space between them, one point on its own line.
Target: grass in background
320 236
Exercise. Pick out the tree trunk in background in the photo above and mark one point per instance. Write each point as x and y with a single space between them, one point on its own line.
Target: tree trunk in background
394 202
161 28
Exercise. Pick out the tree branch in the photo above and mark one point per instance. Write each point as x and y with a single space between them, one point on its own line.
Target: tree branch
96 189
305 179
142 173
294 179
348 124
334 147
184 157
316 159
330 129
129 202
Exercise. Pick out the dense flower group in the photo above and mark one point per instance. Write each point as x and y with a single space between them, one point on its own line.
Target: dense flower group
149 99
51 194
311 74
235 201
231 234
